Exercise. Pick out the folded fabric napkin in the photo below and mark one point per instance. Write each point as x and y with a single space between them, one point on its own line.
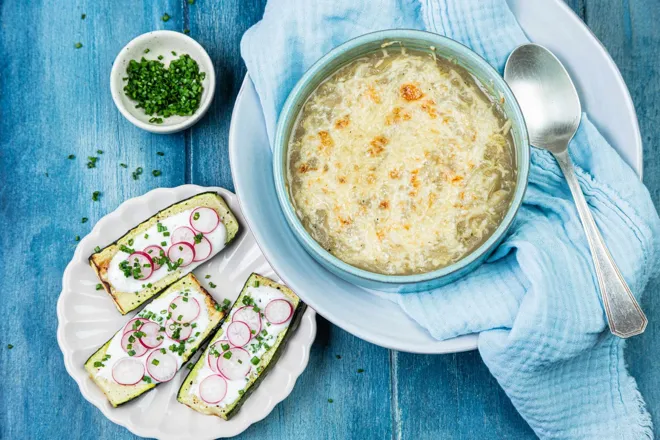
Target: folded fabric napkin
543 330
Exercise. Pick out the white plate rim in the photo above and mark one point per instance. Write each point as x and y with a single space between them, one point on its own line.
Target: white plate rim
468 342
78 374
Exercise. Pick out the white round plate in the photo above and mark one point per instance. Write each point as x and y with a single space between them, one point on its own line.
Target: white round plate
88 318
367 315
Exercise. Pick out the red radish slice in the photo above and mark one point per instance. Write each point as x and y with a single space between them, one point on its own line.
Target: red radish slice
213 389
131 343
237 366
183 251
183 334
162 367
128 371
216 348
278 311
250 317
238 333
153 337
184 309
183 234
204 220
154 251
145 262
134 325
203 249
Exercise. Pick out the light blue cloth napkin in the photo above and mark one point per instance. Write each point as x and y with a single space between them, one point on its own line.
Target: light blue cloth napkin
543 329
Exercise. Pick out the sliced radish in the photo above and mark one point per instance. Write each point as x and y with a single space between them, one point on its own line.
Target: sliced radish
216 348
184 309
152 336
161 366
154 251
181 251
204 220
183 333
131 343
278 311
250 317
238 333
183 234
203 249
135 324
213 389
144 262
235 365
128 371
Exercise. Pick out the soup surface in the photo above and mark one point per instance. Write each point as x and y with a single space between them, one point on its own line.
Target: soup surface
400 164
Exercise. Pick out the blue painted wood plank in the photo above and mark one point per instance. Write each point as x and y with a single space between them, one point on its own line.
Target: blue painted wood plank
360 405
55 101
629 29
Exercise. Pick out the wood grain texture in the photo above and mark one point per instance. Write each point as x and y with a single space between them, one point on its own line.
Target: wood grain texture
55 101
629 29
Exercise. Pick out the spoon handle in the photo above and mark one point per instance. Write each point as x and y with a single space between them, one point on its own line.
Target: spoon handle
624 315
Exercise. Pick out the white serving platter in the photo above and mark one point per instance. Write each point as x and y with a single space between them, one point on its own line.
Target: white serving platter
87 318
369 316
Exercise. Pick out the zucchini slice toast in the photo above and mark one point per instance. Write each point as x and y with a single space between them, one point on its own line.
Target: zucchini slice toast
244 349
154 345
145 260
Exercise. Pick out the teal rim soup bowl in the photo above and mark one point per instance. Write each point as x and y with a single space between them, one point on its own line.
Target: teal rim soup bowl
493 85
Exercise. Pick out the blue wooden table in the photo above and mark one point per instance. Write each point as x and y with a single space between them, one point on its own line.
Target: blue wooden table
55 101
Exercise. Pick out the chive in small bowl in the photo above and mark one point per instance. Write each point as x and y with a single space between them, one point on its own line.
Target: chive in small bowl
166 47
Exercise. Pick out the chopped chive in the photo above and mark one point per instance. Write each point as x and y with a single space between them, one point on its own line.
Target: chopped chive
338 356
147 50
77 237
155 362
84 220
227 355
97 249
83 16
156 173
72 156
98 364
9 346
95 196
186 31
213 286
330 400
77 45
123 165
99 286
166 17
99 151
160 153
360 370
254 360
207 276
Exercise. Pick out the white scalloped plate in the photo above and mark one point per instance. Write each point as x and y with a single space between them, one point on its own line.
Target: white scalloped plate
88 318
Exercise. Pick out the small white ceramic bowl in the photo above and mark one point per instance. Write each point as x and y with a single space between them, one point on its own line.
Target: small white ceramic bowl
161 43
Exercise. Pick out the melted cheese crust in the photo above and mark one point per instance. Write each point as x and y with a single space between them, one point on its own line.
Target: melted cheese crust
400 164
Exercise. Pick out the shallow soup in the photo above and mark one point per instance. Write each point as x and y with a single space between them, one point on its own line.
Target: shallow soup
400 164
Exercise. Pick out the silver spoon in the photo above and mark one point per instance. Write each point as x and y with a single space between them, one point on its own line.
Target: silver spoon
552 111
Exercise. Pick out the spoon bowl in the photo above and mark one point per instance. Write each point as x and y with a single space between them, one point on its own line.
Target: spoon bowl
536 76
